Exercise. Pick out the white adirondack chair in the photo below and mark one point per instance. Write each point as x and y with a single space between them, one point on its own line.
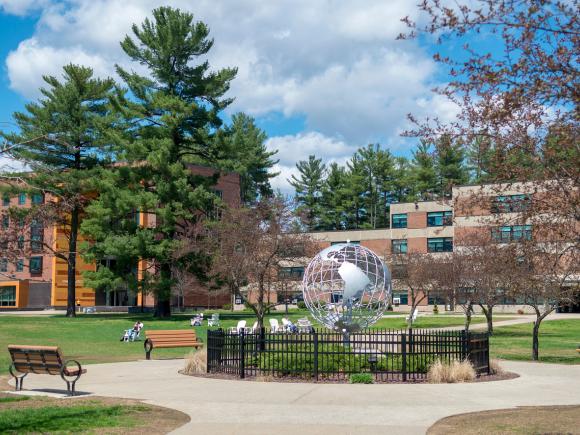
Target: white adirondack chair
253 329
274 326
236 329
413 316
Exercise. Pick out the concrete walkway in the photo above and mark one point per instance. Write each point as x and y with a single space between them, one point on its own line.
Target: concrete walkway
244 407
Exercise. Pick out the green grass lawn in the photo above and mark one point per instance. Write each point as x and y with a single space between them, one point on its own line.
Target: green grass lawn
71 419
558 341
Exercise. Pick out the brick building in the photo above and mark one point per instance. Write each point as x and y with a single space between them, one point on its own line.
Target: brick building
40 280
491 212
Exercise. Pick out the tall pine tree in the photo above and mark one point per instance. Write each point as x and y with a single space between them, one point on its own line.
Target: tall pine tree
450 166
308 187
242 149
424 171
170 117
64 139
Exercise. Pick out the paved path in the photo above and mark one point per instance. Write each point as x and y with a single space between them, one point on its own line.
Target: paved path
244 407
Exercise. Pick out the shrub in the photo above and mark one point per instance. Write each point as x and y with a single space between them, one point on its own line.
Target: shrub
301 305
520 311
455 371
195 362
361 378
495 368
226 306
435 309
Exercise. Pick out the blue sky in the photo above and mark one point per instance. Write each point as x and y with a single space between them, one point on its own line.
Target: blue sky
320 78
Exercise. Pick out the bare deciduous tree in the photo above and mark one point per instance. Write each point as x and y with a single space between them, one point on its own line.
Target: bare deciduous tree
247 248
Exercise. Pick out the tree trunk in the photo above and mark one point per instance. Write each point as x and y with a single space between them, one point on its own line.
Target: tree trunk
488 312
468 314
163 296
72 263
536 339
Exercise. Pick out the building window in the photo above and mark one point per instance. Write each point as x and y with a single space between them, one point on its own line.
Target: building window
511 233
399 246
440 244
439 219
293 273
20 242
8 296
36 238
399 220
219 193
6 201
35 265
22 198
5 221
352 242
401 298
510 203
21 222
37 198
19 265
3 265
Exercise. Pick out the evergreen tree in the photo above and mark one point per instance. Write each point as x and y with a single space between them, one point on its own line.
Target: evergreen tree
479 155
63 138
170 118
451 169
403 180
424 173
308 187
377 168
334 198
242 149
355 193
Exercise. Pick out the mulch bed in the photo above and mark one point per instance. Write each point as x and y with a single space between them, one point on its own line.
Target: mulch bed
294 379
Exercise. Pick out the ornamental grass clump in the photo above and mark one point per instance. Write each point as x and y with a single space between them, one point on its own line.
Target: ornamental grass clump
450 372
495 368
195 363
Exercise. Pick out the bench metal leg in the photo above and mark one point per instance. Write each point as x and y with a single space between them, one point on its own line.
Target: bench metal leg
70 387
19 380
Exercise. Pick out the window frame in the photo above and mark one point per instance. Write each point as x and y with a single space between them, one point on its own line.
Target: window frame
397 217
398 244
446 244
35 270
3 298
443 216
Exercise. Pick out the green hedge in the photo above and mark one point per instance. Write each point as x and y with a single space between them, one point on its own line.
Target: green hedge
335 358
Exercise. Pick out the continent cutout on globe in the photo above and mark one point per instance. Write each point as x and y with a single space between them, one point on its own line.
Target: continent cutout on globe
355 280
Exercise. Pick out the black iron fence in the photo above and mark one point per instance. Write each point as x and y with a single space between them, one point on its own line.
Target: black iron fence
390 355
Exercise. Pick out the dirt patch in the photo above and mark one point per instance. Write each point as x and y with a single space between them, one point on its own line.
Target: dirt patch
521 420
151 419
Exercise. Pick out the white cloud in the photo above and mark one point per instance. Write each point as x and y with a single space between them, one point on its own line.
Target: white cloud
22 7
10 165
293 148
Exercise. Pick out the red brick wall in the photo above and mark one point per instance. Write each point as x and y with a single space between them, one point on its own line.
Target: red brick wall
378 246
417 219
417 245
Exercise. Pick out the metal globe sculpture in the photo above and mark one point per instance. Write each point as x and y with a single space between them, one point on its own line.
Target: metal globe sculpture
346 287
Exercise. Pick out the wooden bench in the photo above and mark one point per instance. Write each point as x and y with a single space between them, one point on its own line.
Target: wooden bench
43 360
170 338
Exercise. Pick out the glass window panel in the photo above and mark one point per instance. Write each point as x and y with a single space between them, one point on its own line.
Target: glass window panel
8 296
399 220
19 265
399 246
6 201
22 198
35 265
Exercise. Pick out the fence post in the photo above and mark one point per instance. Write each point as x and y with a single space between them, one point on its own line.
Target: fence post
404 355
466 347
242 354
487 352
315 362
209 349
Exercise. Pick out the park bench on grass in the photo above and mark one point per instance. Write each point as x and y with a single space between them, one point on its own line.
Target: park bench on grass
170 338
43 360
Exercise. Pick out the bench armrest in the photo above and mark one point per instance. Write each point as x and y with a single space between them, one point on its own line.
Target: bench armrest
76 373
